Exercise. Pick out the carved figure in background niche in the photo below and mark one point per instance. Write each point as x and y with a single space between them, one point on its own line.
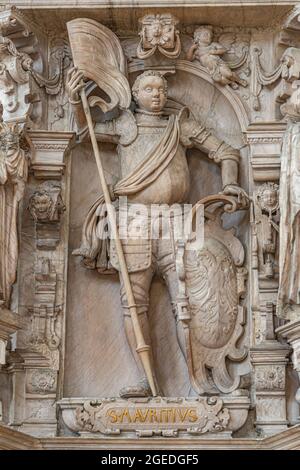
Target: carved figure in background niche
13 175
152 149
209 53
266 228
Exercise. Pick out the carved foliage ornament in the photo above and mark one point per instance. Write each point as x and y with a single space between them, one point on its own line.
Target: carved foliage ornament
270 377
159 32
45 329
17 93
42 381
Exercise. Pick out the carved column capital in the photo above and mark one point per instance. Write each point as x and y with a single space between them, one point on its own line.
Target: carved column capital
48 153
265 140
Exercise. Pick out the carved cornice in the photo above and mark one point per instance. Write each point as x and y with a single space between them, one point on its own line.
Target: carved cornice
265 141
48 152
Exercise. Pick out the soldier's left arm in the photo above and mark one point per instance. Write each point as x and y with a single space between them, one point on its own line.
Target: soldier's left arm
194 134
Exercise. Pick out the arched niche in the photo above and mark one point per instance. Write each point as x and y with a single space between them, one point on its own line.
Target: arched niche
98 361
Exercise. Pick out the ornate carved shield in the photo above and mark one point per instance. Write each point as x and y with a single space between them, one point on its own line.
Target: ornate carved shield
215 319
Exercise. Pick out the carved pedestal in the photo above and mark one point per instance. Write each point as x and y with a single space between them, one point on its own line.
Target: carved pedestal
9 323
291 332
159 416
269 361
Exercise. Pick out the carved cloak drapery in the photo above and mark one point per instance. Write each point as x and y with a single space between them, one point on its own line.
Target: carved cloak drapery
13 175
289 287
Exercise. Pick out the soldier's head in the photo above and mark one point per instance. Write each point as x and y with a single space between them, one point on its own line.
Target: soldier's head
150 91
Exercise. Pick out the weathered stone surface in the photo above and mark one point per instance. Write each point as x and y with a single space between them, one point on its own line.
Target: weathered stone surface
189 104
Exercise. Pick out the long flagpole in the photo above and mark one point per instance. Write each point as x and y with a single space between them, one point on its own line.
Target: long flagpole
142 348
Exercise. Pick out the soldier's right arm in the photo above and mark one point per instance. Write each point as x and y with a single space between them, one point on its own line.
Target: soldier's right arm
105 132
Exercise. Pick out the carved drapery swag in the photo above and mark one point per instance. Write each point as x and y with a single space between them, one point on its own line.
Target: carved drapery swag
13 175
289 287
94 247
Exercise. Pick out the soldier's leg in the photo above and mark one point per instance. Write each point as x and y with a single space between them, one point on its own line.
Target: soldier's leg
140 282
167 269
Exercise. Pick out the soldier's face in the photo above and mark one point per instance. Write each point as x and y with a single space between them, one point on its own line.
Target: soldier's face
151 94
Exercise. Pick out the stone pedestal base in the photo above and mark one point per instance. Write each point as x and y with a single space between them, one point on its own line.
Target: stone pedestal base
9 323
269 360
148 417
291 332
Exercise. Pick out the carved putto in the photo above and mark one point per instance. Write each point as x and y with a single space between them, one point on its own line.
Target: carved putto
209 54
265 229
159 32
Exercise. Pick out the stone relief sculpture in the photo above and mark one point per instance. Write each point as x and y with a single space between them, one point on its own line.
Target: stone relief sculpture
265 229
152 149
208 303
289 287
13 176
154 99
46 206
209 54
159 33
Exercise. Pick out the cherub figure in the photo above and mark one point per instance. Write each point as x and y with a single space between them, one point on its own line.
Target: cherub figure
209 53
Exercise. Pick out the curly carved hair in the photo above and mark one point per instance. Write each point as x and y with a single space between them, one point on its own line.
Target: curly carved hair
149 73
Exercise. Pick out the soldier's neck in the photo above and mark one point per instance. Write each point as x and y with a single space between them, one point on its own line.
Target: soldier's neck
150 116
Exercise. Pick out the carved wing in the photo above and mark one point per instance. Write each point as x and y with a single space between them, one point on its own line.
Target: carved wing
216 316
97 52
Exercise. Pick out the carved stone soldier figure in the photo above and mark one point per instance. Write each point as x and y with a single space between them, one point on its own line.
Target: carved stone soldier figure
152 149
